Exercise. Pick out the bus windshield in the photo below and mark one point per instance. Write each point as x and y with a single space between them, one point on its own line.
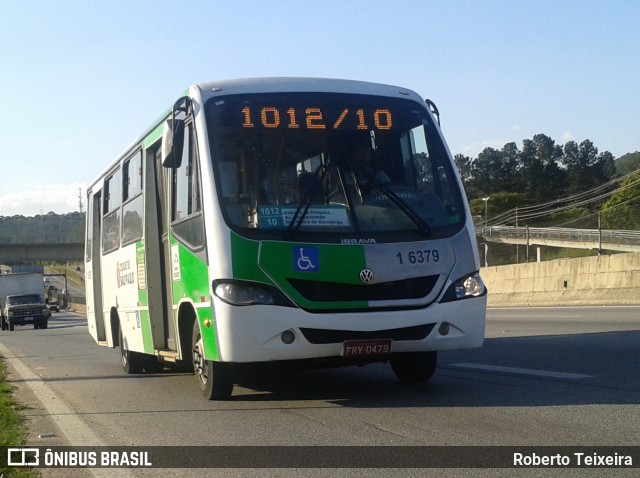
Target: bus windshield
325 165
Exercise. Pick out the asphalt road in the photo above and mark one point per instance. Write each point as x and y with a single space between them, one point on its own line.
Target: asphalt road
545 376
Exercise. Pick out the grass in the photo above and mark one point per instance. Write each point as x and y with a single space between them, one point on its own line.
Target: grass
12 430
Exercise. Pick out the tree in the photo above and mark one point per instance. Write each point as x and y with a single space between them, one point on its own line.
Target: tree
510 157
463 163
541 176
622 210
542 171
586 168
487 171
49 228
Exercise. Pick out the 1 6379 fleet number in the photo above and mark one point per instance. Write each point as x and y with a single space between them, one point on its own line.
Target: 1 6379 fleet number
425 256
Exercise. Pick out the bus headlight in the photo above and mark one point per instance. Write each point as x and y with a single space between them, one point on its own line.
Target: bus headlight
465 288
237 293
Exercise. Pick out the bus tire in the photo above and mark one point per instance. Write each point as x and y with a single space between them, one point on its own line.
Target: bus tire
214 378
131 362
413 367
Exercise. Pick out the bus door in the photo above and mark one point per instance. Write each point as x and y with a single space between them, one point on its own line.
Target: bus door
157 252
95 315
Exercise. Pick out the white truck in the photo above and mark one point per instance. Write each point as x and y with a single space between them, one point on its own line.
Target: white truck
22 301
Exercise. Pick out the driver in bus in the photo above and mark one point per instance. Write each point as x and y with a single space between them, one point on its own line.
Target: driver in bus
363 159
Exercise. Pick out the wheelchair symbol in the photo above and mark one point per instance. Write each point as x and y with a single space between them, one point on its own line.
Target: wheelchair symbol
306 260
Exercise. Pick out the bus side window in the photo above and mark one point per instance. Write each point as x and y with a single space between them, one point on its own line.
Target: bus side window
186 211
90 221
111 220
132 195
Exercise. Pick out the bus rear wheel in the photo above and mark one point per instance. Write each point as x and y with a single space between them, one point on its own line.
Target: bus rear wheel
413 367
214 378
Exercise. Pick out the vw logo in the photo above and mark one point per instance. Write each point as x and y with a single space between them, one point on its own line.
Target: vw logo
366 276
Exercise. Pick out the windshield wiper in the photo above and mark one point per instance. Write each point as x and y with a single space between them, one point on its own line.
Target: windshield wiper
423 227
305 202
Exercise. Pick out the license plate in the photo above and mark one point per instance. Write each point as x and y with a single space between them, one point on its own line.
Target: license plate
366 348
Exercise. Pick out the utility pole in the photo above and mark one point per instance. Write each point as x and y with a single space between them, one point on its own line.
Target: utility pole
80 207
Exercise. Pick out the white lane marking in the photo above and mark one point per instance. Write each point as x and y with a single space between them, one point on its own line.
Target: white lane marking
68 421
533 316
519 371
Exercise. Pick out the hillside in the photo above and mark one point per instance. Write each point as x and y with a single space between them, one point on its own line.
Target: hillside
627 163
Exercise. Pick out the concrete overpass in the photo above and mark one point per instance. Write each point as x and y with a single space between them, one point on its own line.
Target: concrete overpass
596 239
10 253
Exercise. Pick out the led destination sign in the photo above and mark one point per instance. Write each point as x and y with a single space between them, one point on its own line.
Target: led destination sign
313 117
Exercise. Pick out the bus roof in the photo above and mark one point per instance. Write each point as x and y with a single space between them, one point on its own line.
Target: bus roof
311 85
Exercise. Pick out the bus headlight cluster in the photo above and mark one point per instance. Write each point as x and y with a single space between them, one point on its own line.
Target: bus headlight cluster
238 293
465 288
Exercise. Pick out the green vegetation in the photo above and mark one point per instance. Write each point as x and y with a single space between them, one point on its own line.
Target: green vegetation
12 430
546 184
49 228
628 163
621 210
542 170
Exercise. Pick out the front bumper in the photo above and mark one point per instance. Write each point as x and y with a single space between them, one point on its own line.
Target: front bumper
254 333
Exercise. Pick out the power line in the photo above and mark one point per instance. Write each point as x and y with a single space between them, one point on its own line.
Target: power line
582 199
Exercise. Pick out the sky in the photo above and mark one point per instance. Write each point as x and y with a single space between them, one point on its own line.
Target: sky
81 80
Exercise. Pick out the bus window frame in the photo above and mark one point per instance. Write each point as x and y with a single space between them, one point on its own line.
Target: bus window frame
110 211
193 221
132 201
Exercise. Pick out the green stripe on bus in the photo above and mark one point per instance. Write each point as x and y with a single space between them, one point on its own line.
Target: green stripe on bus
336 264
193 284
244 253
147 337
331 264
153 136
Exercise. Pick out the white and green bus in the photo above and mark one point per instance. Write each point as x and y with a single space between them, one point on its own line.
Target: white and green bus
284 221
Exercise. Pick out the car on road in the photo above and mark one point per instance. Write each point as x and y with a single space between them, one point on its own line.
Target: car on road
22 309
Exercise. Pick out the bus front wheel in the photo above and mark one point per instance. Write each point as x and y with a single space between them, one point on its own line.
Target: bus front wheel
214 378
412 367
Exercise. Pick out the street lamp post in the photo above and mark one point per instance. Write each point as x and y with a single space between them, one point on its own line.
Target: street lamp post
486 214
66 290
486 209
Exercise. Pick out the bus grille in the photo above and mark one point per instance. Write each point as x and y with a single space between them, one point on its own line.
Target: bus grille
318 291
323 336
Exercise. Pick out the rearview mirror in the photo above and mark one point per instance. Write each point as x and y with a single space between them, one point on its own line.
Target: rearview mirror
173 133
172 143
434 110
